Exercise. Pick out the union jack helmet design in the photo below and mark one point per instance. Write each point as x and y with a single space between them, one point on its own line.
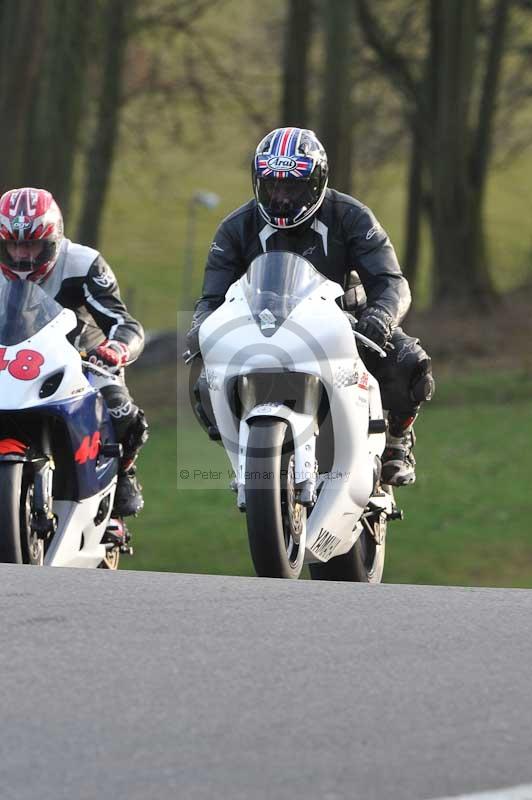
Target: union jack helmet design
29 215
290 173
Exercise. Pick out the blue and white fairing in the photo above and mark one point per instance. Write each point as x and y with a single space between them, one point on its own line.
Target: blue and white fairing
41 374
83 416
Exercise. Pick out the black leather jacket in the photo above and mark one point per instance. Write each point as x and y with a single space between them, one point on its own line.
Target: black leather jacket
344 236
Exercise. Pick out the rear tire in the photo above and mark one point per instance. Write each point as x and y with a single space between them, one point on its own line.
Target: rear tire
276 523
10 512
111 560
364 563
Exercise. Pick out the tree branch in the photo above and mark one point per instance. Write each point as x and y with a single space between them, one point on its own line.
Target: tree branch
393 63
228 80
178 19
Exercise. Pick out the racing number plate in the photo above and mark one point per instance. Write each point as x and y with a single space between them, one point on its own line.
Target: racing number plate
26 366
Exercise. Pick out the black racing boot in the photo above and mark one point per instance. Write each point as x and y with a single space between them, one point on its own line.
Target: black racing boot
128 496
117 535
398 462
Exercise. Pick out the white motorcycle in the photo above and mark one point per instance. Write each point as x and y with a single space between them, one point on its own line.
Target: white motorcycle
302 423
58 452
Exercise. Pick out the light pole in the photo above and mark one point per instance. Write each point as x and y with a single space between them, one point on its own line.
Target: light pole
202 199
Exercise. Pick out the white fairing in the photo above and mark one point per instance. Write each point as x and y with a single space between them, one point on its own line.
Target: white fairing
76 543
315 339
77 540
58 354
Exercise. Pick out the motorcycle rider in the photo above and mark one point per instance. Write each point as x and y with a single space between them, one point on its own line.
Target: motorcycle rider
33 247
294 210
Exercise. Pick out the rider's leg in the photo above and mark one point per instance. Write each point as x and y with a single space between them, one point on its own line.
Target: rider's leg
131 430
405 379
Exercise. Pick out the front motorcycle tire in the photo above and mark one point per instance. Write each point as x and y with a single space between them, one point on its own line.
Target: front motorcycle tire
276 522
364 563
10 506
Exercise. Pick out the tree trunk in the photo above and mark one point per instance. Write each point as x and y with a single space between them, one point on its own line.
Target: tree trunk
460 269
101 150
414 209
455 137
19 72
336 110
298 33
55 117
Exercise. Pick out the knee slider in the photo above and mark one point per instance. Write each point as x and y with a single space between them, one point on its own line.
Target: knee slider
422 384
136 434
202 407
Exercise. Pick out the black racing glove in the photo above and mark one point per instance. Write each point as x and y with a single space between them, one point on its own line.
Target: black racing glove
376 324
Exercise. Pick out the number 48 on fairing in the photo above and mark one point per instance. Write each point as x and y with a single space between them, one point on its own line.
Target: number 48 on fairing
26 366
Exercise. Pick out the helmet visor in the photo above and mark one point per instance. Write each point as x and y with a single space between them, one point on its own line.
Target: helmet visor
286 198
25 256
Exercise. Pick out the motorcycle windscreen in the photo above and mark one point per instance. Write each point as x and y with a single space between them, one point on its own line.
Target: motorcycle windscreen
24 310
275 284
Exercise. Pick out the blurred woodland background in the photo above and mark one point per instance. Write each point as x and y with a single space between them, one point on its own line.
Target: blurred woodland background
422 97
141 116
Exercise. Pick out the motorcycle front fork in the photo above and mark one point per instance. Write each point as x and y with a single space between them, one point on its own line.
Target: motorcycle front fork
43 520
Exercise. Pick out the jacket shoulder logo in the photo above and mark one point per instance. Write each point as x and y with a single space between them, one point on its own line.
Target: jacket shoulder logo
104 279
372 231
216 248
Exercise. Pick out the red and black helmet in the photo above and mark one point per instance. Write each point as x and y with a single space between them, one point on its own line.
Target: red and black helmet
289 173
29 215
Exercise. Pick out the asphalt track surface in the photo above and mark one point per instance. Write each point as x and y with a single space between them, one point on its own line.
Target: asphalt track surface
149 685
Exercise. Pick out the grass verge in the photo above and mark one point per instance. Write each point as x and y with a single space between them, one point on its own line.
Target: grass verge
466 518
